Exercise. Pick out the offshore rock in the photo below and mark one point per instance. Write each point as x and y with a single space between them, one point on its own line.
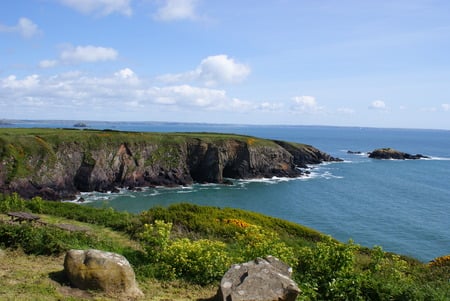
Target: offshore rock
99 270
263 279
389 154
57 164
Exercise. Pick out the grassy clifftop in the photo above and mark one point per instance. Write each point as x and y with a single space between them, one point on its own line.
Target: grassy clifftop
57 163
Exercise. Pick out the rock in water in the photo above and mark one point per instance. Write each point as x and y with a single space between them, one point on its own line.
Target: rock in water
263 279
100 270
389 153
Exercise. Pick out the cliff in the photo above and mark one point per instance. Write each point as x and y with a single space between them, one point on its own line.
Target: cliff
57 163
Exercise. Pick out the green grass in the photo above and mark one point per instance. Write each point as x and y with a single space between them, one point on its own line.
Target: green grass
32 256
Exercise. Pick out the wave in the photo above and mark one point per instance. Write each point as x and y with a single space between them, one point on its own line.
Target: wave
432 158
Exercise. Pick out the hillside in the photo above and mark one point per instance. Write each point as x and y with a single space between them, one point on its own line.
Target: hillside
58 163
206 239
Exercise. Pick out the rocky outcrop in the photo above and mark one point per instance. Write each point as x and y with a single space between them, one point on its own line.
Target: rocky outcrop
56 164
100 270
389 153
266 279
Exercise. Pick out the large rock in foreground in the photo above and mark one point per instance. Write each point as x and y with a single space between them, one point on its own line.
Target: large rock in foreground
99 270
267 279
389 153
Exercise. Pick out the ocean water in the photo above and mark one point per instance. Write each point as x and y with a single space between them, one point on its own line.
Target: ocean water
403 206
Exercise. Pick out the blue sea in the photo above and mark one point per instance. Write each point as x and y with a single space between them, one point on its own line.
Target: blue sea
403 206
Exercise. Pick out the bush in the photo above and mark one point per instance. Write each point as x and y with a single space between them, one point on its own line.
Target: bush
326 272
202 261
12 202
257 242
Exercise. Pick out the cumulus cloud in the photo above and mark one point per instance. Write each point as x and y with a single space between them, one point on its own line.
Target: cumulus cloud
25 27
29 82
122 90
213 70
172 10
88 54
100 7
377 105
305 104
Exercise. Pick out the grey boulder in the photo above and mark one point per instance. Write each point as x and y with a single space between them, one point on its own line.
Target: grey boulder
263 279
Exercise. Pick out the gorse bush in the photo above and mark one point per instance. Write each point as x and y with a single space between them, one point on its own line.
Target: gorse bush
326 272
257 242
202 261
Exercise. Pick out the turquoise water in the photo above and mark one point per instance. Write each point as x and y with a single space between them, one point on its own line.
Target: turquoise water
402 206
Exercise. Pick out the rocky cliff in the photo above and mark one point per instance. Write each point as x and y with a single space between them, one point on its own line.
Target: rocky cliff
56 163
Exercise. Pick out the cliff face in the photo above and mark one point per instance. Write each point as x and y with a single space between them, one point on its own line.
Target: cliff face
56 164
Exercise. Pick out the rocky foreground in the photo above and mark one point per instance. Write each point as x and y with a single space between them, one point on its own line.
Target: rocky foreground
59 163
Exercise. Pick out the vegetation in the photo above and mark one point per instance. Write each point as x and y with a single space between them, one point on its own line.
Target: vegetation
187 248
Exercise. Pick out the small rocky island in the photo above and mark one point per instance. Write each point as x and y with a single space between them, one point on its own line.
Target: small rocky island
392 154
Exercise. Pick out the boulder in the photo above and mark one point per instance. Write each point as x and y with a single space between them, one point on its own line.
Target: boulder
263 279
389 153
100 270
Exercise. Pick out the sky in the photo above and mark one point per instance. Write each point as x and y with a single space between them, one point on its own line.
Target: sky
364 63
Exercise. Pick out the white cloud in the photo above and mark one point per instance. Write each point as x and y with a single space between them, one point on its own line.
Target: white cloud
48 63
122 90
88 54
445 106
306 104
347 111
186 95
29 82
213 70
378 105
100 7
172 10
269 107
25 27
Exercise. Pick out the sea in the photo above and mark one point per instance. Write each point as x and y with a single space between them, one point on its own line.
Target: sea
401 205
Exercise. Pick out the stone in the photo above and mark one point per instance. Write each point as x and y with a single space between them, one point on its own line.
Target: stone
100 270
263 279
392 154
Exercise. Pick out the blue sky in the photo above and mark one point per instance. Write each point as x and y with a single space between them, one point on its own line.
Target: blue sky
328 62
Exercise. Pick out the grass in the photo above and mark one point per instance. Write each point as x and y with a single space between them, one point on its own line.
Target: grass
34 278
324 265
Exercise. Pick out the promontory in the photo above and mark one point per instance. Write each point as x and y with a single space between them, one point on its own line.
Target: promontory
59 163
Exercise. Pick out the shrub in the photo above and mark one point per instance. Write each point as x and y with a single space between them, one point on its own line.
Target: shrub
155 239
326 271
12 202
257 242
202 261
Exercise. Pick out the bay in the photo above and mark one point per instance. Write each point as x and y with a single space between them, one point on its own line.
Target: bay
402 206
